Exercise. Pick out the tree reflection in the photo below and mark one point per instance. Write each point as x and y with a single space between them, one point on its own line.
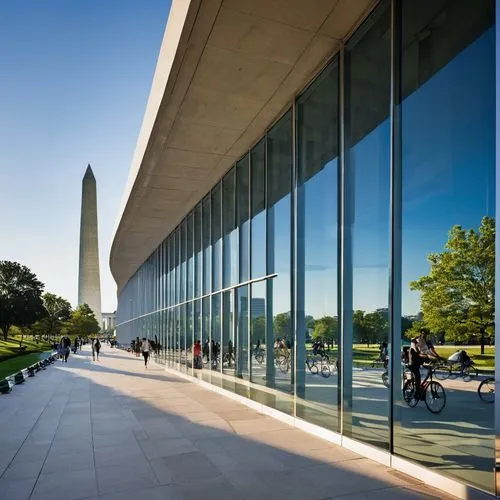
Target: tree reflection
458 294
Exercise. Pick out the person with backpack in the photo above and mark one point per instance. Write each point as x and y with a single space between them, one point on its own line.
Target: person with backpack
145 348
97 347
415 361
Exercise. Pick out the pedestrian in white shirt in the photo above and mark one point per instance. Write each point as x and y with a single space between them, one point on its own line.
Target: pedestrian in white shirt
145 348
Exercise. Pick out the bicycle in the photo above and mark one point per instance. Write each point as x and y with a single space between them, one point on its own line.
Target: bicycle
311 364
433 392
486 390
259 355
466 371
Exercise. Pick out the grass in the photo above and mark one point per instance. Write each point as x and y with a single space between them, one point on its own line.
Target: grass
13 365
10 348
363 355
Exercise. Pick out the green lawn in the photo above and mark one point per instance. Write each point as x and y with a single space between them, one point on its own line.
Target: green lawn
13 365
363 355
10 348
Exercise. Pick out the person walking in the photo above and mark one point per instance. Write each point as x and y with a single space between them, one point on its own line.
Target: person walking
197 355
137 347
92 344
145 348
97 347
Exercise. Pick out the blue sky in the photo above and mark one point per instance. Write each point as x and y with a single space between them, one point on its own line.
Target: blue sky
74 86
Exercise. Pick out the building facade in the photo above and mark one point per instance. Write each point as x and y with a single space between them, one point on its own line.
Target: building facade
351 209
108 321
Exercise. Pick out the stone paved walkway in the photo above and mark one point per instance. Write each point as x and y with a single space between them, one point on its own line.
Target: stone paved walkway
115 431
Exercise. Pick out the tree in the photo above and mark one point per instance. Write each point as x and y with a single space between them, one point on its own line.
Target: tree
360 332
282 326
258 329
20 296
377 326
457 295
82 322
58 311
326 328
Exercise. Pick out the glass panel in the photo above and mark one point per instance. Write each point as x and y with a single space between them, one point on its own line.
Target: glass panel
182 336
241 343
367 136
279 310
189 336
448 167
189 255
183 247
317 198
216 337
205 337
258 228
258 334
198 336
228 343
230 234
177 252
198 277
242 215
216 238
207 256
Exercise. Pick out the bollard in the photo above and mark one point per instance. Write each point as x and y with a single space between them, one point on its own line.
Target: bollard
5 386
18 378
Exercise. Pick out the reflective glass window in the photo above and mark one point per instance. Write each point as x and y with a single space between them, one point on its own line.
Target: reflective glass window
216 238
448 194
317 198
229 232
367 161
279 241
258 214
207 256
243 216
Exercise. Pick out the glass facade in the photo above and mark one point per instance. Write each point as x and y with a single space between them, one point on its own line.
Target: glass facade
361 221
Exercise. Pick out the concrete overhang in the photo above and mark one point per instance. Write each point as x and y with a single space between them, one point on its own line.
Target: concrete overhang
226 70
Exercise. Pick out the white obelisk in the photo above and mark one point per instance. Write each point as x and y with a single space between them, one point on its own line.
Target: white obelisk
89 283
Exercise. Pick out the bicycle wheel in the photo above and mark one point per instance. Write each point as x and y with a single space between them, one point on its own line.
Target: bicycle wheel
409 394
469 373
283 364
259 358
325 370
313 367
385 379
486 390
442 372
435 397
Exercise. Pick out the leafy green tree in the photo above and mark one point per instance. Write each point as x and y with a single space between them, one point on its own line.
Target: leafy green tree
20 296
58 311
457 295
326 328
82 322
360 332
258 329
282 326
377 326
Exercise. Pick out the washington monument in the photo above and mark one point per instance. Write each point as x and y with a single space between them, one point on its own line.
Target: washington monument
89 283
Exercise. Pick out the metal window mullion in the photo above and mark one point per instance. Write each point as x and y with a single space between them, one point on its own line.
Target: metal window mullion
345 268
395 211
293 260
250 227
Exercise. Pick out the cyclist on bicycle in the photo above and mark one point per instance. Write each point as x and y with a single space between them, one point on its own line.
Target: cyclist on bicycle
421 351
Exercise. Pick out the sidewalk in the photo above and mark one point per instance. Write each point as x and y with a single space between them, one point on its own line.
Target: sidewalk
115 431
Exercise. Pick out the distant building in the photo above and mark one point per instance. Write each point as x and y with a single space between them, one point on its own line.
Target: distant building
108 321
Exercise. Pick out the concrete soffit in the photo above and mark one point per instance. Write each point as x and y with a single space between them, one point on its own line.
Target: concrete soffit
226 70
